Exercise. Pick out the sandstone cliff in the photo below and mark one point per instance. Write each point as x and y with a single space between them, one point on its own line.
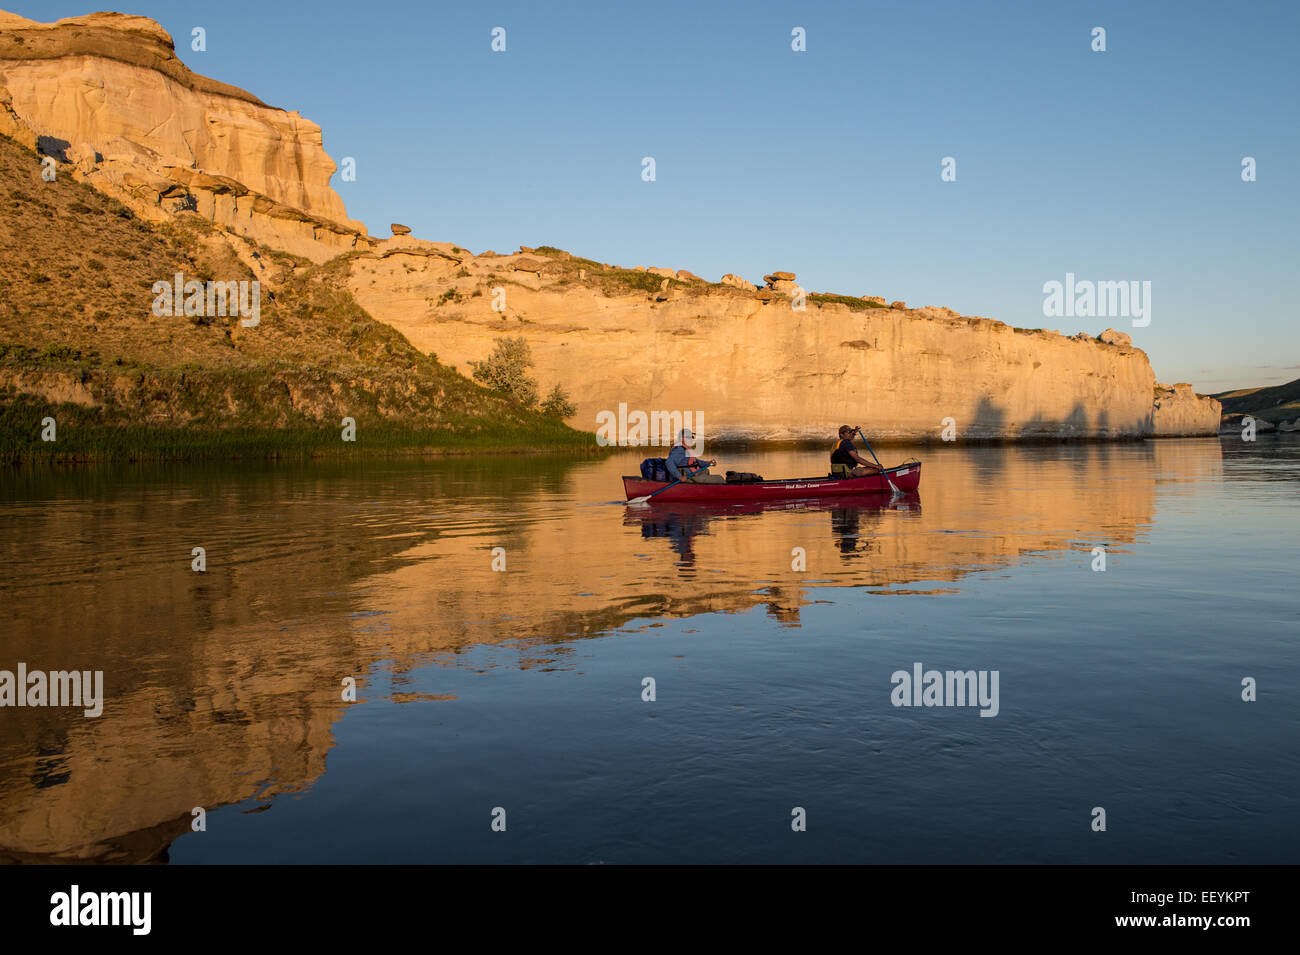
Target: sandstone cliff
1180 411
106 95
757 367
771 361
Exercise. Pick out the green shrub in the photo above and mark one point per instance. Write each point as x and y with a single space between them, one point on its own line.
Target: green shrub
558 405
506 370
58 352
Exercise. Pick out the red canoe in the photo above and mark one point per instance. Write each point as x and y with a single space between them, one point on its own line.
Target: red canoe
905 477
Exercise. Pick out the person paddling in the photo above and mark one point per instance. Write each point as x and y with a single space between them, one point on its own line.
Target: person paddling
845 460
681 464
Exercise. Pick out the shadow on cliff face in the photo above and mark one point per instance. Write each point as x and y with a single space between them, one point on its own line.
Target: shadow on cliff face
53 146
1077 425
1076 422
1073 425
988 422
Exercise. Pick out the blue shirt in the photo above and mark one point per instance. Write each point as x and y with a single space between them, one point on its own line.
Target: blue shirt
677 462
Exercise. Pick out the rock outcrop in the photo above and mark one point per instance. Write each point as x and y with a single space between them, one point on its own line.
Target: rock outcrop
534 266
106 96
1179 410
783 283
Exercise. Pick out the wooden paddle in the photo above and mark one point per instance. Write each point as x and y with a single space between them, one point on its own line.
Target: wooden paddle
859 433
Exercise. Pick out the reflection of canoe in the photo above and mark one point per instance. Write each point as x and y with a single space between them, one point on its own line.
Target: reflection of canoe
854 503
906 477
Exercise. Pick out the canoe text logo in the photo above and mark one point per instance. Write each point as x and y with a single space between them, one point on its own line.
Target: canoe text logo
1087 299
946 688
639 429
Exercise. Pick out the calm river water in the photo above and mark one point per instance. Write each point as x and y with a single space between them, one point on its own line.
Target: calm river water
772 636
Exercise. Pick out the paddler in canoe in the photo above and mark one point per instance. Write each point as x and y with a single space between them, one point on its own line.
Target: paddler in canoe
845 460
684 466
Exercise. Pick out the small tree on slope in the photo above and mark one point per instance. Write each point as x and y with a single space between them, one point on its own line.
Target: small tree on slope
506 370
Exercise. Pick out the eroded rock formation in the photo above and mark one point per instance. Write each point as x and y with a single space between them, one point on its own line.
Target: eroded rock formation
106 96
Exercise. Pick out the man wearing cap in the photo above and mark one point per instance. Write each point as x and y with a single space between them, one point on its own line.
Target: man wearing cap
682 465
845 460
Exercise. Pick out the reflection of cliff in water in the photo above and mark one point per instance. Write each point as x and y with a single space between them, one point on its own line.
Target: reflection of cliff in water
221 686
224 687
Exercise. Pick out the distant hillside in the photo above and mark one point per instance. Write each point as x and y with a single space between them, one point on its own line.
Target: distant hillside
1274 404
79 343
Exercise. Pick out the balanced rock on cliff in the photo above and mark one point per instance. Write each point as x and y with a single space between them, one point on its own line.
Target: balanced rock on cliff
399 229
1112 337
528 265
782 282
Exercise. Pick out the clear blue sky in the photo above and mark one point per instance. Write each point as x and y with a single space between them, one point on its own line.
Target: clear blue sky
1117 165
